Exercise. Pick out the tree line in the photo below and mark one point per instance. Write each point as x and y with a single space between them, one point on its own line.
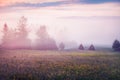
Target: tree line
18 39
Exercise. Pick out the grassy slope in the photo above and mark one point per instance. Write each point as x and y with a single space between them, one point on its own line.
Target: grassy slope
59 65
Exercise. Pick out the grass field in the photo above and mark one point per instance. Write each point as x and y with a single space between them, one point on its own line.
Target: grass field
59 65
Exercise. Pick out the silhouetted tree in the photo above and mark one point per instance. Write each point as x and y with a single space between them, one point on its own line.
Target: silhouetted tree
92 47
45 42
62 46
81 47
116 45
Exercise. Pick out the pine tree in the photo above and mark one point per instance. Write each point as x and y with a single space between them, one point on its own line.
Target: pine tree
81 47
9 38
22 30
22 34
116 45
92 47
6 37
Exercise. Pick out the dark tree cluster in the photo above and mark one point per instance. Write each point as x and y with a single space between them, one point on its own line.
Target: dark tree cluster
116 45
81 47
92 48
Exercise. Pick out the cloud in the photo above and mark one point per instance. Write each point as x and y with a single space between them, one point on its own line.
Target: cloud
4 3
94 1
91 17
69 10
45 4
87 10
82 22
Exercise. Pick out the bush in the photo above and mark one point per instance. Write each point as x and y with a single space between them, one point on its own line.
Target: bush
116 45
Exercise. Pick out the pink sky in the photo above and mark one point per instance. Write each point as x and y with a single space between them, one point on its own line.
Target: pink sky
66 20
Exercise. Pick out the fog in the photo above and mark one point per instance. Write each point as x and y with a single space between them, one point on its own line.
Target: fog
73 24
99 31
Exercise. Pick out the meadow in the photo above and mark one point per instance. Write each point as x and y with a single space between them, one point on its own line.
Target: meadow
59 65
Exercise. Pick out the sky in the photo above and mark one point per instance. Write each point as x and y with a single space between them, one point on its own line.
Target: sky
70 21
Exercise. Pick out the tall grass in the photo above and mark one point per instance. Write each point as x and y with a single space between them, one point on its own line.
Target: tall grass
59 65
